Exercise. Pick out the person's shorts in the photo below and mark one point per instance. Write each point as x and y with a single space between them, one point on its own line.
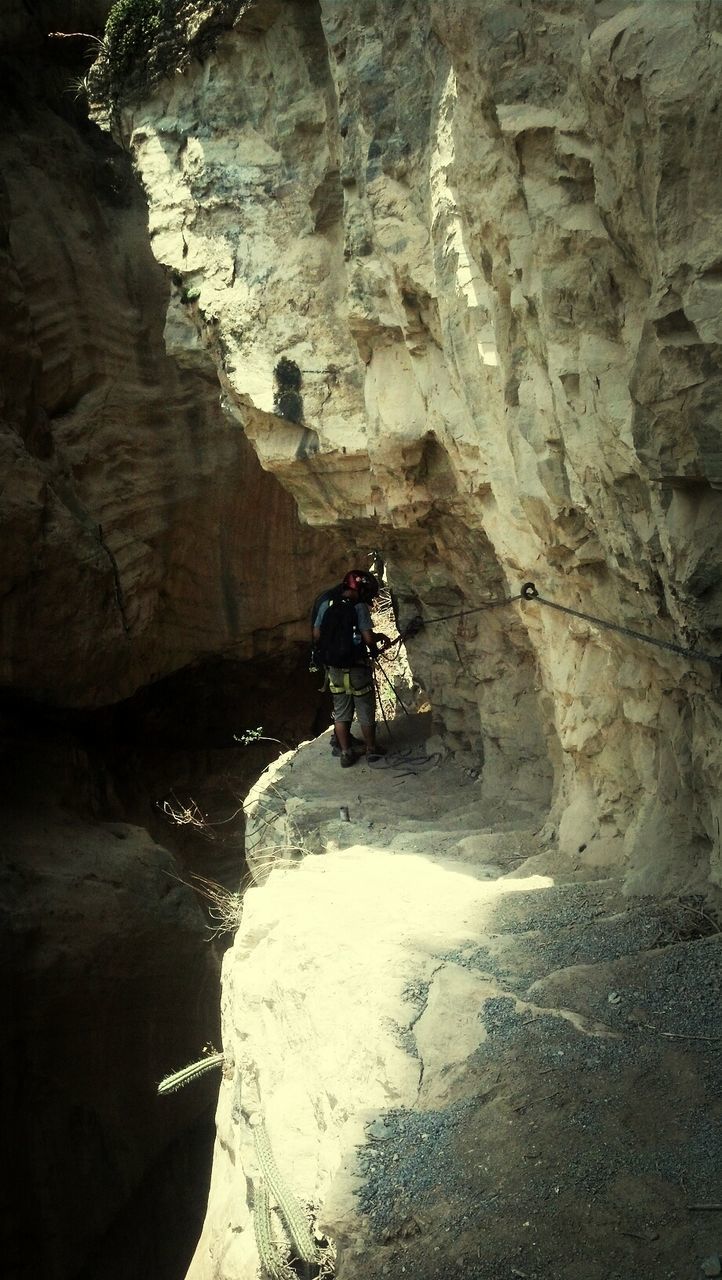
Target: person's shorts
356 694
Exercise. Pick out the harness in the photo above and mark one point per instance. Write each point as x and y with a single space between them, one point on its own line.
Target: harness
347 687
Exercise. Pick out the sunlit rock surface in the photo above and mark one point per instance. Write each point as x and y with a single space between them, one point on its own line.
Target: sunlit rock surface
321 1031
443 1031
488 237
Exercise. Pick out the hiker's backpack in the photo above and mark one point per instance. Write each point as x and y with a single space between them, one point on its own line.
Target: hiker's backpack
320 599
337 646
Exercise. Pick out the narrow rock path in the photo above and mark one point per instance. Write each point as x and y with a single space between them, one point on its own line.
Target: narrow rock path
468 1066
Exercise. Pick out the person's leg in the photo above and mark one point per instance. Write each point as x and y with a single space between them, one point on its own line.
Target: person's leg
370 743
365 706
342 714
356 742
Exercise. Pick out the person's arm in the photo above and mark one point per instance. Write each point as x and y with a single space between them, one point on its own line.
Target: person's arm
316 630
315 663
375 641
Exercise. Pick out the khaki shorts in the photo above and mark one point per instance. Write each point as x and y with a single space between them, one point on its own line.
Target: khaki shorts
353 690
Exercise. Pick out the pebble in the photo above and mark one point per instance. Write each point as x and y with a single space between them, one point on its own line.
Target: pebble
712 1266
377 1129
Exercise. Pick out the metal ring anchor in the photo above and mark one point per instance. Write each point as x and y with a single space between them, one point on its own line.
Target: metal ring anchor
529 591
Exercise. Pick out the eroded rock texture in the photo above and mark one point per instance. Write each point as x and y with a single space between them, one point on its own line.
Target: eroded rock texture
454 1047
139 532
488 238
110 984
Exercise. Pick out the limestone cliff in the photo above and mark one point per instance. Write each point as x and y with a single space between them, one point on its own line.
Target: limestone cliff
139 532
484 240
454 267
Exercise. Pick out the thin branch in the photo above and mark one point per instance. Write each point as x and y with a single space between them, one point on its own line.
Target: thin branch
676 1035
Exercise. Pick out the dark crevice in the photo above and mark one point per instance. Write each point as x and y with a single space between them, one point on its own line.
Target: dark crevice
118 587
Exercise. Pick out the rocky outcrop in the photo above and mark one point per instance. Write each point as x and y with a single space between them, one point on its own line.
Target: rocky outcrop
139 532
459 1054
112 985
486 240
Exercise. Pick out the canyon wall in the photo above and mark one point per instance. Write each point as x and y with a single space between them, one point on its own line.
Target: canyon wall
437 277
138 535
482 240
139 532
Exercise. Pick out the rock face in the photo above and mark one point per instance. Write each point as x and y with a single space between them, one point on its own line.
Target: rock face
455 267
112 985
139 532
471 252
443 1041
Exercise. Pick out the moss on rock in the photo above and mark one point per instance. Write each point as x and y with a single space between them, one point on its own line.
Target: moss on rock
132 28
147 40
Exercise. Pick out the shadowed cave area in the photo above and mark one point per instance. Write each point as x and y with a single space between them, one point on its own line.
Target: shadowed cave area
111 960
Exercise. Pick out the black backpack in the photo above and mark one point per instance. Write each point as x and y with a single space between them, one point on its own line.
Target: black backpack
323 595
336 646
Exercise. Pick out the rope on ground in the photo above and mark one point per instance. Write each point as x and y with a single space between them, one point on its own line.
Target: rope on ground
408 763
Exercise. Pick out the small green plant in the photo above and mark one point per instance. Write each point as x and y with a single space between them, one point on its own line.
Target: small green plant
249 735
257 735
97 43
272 1251
148 40
225 907
80 88
289 1207
178 1079
190 815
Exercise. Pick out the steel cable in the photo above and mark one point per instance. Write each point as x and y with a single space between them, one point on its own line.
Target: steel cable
417 623
529 592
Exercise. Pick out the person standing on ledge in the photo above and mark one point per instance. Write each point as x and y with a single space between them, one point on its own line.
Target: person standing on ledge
346 644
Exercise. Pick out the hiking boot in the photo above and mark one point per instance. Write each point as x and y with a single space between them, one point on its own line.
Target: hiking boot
336 748
347 759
